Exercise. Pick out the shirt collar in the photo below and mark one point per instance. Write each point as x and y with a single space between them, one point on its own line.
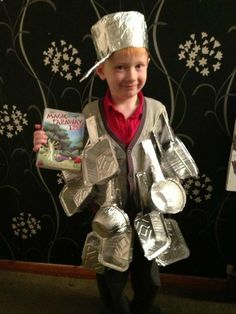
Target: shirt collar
109 105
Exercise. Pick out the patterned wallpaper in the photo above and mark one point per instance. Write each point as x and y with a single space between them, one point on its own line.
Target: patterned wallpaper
45 47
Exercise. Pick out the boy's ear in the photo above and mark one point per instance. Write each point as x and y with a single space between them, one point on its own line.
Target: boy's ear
100 72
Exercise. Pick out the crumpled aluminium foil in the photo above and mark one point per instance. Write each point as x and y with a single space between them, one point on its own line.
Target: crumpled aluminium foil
117 31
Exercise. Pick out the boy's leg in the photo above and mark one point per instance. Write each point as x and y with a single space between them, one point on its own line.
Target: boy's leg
145 279
111 286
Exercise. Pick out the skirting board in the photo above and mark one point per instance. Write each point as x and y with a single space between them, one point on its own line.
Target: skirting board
194 283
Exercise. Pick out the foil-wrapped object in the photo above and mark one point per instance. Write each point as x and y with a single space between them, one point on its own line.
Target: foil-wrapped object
112 226
66 198
178 162
82 195
143 190
152 232
116 31
111 219
99 162
167 195
116 251
74 196
177 250
90 253
69 176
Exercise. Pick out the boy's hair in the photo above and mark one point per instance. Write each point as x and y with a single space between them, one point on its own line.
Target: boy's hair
129 51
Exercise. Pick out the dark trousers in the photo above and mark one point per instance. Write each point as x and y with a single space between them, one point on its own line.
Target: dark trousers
145 280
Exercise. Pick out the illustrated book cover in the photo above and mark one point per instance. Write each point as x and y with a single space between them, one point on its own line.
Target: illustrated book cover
65 131
231 174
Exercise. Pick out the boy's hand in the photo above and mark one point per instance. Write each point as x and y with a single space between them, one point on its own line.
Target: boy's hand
40 137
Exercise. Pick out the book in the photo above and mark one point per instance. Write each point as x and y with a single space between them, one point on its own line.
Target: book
231 174
65 131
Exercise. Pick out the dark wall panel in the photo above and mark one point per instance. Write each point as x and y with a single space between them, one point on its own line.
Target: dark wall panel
192 71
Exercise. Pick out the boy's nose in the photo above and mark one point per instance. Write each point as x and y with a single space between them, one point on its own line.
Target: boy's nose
131 73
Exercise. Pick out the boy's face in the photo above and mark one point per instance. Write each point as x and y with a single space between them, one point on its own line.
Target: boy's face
125 73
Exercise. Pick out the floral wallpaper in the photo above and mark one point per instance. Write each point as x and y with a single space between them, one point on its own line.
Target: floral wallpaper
46 47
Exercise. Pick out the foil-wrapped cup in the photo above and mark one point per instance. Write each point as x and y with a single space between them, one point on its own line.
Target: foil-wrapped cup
152 233
177 250
168 196
110 220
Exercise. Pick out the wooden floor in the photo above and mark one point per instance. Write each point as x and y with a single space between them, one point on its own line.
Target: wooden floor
32 288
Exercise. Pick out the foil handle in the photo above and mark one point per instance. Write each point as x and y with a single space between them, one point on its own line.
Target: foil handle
92 129
113 193
155 165
143 190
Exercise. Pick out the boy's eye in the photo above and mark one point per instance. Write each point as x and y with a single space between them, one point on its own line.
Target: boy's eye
120 67
140 65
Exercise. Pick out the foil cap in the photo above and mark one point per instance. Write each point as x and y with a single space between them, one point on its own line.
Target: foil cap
117 31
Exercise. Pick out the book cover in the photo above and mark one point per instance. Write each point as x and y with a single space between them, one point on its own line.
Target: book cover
65 131
231 174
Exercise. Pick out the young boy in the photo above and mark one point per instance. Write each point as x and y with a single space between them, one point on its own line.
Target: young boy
121 43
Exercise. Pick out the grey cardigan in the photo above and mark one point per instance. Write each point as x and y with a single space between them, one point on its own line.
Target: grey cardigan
131 159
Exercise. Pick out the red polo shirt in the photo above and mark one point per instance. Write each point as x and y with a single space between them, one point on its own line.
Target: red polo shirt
124 129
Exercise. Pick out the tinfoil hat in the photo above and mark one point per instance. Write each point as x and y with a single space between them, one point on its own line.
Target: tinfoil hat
116 31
